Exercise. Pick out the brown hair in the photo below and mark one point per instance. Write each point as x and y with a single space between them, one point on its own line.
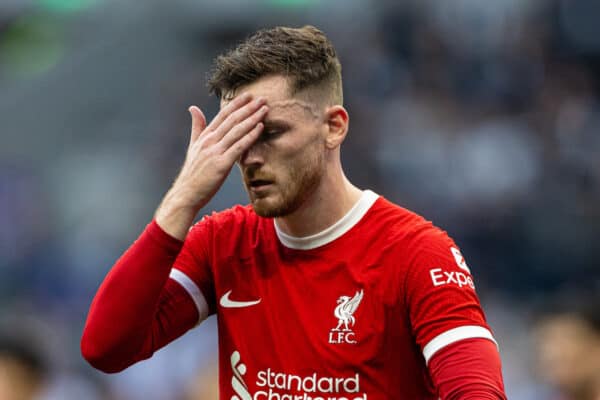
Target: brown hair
304 55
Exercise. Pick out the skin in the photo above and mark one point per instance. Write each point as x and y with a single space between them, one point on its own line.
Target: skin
17 382
283 140
290 175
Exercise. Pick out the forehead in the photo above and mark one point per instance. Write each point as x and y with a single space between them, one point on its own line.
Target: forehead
276 90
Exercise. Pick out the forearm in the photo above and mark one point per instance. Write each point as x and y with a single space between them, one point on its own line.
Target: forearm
137 309
125 307
468 370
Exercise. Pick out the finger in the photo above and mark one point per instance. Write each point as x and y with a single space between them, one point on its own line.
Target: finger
243 128
235 151
198 122
233 105
236 118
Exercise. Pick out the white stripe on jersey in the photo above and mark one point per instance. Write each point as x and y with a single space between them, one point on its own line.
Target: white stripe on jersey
194 292
454 335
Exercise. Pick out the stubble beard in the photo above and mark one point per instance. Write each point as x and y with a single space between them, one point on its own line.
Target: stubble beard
302 183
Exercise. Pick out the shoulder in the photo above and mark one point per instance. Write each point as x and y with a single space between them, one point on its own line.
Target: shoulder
229 221
412 236
430 257
404 226
234 215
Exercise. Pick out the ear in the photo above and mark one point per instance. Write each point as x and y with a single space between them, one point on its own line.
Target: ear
337 120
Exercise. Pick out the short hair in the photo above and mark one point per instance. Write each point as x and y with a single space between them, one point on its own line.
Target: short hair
304 55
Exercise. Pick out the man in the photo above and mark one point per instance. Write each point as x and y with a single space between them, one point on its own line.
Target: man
322 290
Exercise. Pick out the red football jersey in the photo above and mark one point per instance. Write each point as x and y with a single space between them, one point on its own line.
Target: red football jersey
353 312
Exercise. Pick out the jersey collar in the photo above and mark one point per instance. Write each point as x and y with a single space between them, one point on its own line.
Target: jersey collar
328 235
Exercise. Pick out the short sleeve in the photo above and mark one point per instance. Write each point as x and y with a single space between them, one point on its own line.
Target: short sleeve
192 268
442 304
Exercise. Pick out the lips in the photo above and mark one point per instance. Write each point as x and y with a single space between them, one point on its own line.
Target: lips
256 183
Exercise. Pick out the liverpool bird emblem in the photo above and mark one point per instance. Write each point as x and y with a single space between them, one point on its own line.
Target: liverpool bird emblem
345 310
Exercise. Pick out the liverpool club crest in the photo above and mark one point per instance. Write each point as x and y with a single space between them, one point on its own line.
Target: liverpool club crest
344 312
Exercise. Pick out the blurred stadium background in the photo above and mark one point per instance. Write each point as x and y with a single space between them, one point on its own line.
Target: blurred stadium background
484 116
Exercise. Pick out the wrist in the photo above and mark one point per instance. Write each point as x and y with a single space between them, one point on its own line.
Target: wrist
175 215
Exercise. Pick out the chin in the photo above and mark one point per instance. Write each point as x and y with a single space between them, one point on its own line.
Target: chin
282 202
266 209
269 207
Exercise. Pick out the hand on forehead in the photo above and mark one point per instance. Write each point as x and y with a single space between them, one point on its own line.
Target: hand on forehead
276 90
288 106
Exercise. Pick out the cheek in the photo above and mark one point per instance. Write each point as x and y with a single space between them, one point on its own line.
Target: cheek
294 160
305 168
301 162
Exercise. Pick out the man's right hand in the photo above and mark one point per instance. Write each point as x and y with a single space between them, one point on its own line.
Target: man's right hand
212 151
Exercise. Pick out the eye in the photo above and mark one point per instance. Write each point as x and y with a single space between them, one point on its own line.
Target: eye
271 132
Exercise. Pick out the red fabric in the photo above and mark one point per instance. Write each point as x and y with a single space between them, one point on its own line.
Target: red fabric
122 328
414 288
440 294
468 369
407 270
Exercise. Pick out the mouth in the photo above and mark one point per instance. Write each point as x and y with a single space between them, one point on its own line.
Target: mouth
257 185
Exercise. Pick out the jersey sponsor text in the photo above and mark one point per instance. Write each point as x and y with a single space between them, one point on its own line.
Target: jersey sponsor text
440 277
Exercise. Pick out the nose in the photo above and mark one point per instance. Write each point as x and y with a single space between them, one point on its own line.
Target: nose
253 156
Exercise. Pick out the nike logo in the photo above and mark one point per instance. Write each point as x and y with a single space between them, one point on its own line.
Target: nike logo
228 303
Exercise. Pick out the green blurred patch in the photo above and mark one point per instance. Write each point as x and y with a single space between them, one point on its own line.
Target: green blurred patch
31 45
65 6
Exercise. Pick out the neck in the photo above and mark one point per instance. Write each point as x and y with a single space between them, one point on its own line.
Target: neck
332 199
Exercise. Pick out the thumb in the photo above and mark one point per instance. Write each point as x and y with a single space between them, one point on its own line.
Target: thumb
198 122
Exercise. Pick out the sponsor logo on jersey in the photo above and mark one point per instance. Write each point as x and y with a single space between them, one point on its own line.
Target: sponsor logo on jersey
228 303
344 312
237 380
274 385
439 277
460 260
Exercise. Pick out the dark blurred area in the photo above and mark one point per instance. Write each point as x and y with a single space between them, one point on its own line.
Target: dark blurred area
567 347
483 116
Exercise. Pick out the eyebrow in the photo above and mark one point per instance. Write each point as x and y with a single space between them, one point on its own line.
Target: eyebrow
275 122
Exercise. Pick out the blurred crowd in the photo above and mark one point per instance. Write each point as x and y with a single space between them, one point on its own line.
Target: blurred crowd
483 116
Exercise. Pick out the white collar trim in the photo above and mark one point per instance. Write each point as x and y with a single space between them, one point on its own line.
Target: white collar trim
367 199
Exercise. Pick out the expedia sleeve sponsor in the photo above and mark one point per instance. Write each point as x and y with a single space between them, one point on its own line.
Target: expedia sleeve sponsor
440 276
